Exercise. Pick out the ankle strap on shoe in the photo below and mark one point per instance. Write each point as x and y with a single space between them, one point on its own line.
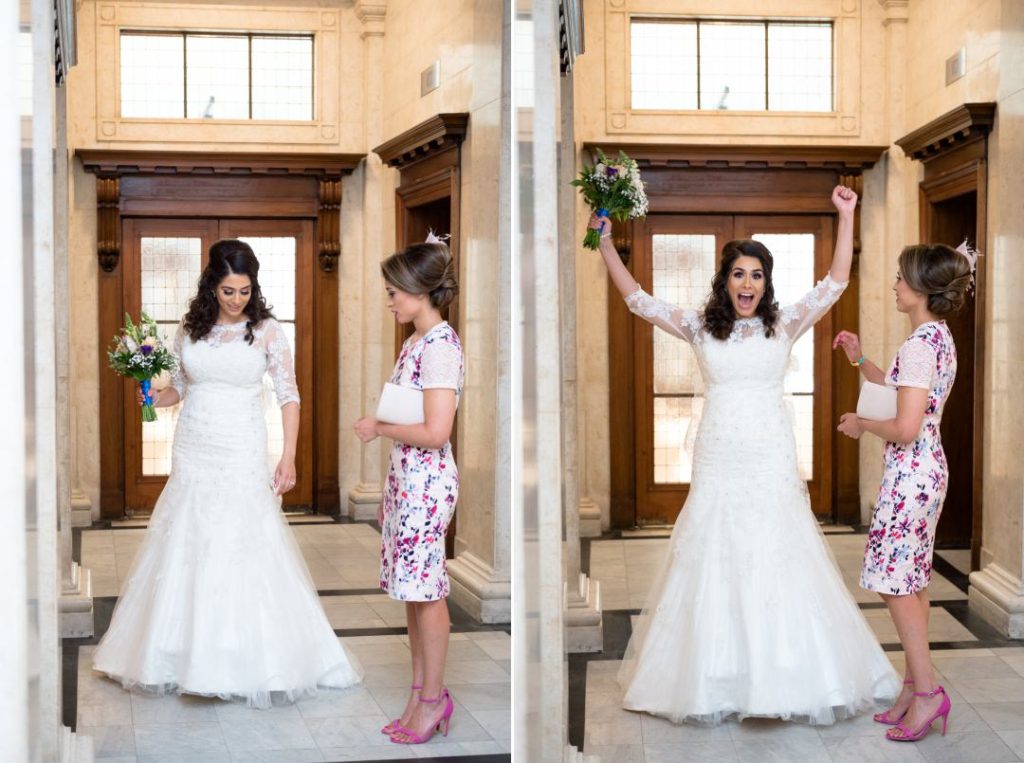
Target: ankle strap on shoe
416 687
933 693
909 682
433 701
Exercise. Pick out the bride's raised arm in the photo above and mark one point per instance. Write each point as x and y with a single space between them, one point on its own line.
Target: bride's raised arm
798 318
679 322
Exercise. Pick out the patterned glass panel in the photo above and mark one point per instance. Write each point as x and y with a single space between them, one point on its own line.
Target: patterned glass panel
170 271
282 76
800 67
152 76
218 77
682 265
732 66
663 65
24 76
793 277
277 281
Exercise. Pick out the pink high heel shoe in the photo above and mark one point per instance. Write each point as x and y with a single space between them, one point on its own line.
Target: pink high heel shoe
397 722
411 737
883 717
914 736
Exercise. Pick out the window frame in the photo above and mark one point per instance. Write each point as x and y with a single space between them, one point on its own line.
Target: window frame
843 122
766 23
186 34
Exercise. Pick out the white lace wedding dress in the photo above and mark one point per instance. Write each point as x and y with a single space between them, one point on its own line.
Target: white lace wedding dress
749 615
219 601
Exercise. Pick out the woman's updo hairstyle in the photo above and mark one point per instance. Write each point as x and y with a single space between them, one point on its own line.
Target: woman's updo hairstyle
940 272
423 269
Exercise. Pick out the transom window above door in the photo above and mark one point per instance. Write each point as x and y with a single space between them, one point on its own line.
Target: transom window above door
735 65
229 76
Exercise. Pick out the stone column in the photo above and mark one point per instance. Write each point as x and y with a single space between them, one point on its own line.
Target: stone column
481 572
73 510
365 497
583 628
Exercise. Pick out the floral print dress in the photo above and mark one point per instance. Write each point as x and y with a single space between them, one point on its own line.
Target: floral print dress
422 484
898 558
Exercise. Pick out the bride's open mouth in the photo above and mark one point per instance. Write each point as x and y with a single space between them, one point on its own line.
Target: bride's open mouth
745 301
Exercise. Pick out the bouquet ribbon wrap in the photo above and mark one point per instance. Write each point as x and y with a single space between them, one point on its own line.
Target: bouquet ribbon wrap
593 238
148 412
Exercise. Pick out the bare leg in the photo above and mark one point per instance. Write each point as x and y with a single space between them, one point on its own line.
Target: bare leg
416 647
910 613
433 628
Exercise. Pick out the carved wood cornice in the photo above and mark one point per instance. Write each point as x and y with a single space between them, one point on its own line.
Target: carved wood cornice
677 155
117 163
328 224
432 136
110 166
964 124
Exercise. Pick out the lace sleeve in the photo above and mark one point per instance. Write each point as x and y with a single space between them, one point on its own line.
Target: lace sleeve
916 364
179 379
442 366
279 363
678 321
796 319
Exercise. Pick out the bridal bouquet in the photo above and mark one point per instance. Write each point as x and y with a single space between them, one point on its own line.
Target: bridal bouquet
612 189
138 353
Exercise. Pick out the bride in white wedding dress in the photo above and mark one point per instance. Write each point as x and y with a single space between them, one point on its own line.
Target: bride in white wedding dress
749 615
219 601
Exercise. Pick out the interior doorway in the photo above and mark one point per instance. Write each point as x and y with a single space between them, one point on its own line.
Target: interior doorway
951 221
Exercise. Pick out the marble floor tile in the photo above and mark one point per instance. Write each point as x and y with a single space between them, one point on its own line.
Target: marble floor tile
620 753
660 731
1016 663
980 690
110 741
329 704
210 756
721 751
1002 716
354 731
365 753
475 672
313 755
266 734
1014 740
782 749
496 648
381 654
617 731
239 712
497 723
483 696
179 739
974 747
439 748
871 749
467 650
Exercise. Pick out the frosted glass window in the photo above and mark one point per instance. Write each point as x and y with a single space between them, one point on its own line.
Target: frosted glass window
282 78
732 66
183 75
170 272
793 277
687 64
799 67
682 268
524 63
663 65
218 77
277 281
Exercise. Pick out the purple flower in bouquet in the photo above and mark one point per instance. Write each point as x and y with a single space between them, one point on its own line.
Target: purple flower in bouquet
612 189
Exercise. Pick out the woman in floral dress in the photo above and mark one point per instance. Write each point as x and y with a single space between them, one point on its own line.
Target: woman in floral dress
422 484
931 284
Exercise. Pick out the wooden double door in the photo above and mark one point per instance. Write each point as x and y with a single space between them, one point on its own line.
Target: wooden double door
674 258
162 261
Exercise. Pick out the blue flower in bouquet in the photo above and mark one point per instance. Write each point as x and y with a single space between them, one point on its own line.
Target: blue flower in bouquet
612 189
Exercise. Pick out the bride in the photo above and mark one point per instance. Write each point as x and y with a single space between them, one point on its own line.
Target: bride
219 601
749 615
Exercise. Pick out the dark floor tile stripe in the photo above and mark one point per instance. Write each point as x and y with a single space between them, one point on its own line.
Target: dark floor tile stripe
951 573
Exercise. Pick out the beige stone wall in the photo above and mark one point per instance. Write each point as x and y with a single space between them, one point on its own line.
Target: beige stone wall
465 36
369 90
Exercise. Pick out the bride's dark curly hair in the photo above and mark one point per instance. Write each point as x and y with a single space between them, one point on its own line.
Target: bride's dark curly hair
719 314
227 257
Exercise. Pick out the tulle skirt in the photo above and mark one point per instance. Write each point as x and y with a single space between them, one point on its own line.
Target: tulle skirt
219 601
749 615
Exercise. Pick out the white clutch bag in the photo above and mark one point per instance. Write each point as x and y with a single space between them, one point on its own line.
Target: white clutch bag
400 405
876 402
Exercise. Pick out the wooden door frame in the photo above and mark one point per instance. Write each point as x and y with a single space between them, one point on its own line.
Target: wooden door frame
222 185
954 151
727 180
